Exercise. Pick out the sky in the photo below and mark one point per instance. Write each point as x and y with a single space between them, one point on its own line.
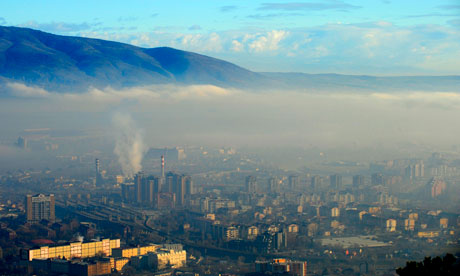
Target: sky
351 37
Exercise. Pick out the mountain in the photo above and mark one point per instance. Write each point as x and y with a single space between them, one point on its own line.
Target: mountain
337 82
64 63
61 63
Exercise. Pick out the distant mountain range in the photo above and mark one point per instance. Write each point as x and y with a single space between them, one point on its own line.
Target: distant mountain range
73 64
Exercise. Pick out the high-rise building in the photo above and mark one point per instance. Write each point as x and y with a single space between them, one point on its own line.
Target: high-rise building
180 185
99 180
189 186
336 181
377 179
98 169
139 180
273 185
40 207
251 184
415 171
293 181
162 166
358 180
22 142
315 182
128 192
147 187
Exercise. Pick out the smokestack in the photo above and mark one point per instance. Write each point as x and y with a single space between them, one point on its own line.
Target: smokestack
163 166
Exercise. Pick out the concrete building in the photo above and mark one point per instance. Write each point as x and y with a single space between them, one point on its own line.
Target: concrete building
250 184
99 179
232 233
315 183
336 181
444 223
391 225
273 185
409 224
180 185
134 251
377 179
293 182
282 266
40 207
72 268
72 250
164 257
118 263
358 180
253 232
21 143
335 212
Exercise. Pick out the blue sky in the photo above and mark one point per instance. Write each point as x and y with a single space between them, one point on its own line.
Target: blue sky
382 37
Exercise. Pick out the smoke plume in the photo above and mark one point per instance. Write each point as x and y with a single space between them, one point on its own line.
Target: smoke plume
129 146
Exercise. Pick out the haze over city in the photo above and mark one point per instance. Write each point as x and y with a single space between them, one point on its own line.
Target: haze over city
229 137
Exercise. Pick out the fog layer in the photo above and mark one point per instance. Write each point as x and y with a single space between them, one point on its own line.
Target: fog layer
210 115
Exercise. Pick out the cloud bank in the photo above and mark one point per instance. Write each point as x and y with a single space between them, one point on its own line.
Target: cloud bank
209 115
378 47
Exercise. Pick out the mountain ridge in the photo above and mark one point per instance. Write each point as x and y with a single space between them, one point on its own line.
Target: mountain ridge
72 63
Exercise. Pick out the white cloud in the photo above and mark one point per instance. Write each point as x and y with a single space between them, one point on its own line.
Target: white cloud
340 48
237 46
268 42
24 91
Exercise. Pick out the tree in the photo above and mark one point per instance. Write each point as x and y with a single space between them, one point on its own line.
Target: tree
446 266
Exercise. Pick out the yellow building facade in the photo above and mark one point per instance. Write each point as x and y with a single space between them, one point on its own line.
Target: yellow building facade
73 250
135 251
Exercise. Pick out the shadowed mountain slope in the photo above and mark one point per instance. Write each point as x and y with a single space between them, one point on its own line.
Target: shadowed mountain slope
73 64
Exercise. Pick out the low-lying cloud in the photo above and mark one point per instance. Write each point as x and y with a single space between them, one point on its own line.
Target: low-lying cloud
205 114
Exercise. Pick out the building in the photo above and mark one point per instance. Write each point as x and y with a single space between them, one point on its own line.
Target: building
415 171
72 268
134 251
99 179
377 179
358 180
253 232
164 257
336 181
444 223
391 225
139 181
335 212
120 179
436 187
250 184
128 192
293 182
180 185
21 143
409 224
282 266
315 182
40 207
273 185
72 250
232 233
117 264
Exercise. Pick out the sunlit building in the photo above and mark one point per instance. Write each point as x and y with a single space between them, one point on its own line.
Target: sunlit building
72 250
40 207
